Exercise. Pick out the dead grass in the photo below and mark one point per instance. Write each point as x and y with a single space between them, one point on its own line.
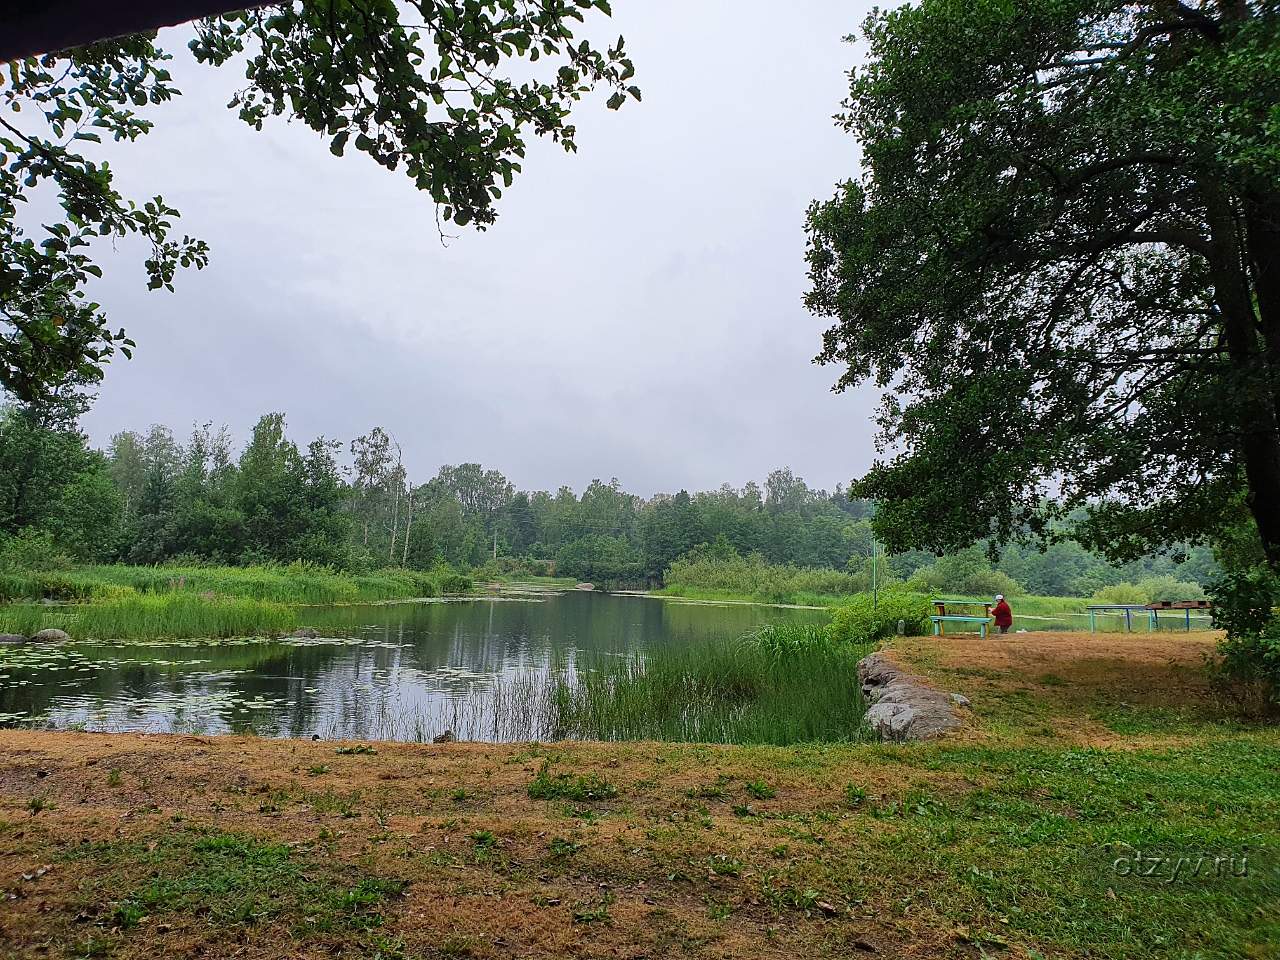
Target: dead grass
1072 685
964 849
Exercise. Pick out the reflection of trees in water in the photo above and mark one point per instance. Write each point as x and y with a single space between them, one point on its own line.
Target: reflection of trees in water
420 668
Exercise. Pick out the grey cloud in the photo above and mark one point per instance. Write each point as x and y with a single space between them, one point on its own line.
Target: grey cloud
636 311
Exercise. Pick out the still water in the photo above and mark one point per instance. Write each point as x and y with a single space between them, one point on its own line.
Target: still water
398 672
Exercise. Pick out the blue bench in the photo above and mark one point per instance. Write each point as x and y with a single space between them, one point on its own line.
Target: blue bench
943 618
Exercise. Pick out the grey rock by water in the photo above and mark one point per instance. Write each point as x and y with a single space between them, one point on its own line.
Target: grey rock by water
903 706
49 635
305 633
12 639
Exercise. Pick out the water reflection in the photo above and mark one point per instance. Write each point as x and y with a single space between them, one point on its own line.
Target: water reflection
403 671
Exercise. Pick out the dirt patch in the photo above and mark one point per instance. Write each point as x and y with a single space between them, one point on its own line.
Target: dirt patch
1073 682
704 851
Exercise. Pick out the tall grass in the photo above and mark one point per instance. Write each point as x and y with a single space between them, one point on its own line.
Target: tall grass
785 684
718 693
300 583
174 616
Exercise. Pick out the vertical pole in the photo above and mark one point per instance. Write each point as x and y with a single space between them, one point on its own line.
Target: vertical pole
875 585
1128 620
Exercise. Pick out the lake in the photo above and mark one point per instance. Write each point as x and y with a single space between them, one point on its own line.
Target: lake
404 671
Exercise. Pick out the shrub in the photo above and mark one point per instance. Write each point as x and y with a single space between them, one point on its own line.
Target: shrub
1150 590
1125 593
1170 588
1248 670
702 571
864 620
32 550
968 573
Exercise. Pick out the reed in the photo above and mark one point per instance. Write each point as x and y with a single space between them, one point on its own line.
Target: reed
785 684
299 583
174 616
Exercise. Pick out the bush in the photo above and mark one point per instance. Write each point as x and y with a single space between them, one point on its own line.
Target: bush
1150 590
30 550
1248 671
703 572
862 620
1120 593
967 573
453 582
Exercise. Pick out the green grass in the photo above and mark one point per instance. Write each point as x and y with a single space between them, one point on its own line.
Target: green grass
154 617
297 583
234 880
744 691
1030 612
563 786
151 603
1032 849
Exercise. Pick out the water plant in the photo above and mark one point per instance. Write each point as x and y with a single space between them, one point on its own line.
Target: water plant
745 691
297 583
154 617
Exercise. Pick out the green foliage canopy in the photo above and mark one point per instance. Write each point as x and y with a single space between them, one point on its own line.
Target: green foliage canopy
1062 260
430 87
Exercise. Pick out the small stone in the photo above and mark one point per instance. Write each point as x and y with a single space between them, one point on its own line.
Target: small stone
960 700
50 635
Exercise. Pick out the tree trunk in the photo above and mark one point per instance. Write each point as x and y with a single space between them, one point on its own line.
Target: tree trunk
408 525
1251 328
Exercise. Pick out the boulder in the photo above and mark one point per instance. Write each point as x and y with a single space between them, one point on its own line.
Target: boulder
12 639
50 635
903 706
584 586
446 737
304 633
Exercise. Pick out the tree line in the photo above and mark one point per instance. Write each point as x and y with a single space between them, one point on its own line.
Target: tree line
152 498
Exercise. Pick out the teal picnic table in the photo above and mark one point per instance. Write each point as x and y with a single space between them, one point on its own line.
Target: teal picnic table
1185 606
941 617
1128 609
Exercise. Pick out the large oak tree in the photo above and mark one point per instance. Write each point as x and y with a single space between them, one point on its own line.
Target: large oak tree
1062 261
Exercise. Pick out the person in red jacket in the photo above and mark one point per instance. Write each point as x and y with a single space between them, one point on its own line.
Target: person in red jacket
1003 614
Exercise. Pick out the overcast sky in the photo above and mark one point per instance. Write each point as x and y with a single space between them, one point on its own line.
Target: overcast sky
635 312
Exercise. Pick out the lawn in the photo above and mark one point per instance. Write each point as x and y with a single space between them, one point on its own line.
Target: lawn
1029 834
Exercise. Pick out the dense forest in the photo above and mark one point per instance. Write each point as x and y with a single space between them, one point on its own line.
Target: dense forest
152 498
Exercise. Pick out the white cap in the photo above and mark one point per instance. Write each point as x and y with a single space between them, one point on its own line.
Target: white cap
999 596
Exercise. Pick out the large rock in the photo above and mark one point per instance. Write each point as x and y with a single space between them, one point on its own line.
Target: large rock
304 633
903 706
50 635
12 639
